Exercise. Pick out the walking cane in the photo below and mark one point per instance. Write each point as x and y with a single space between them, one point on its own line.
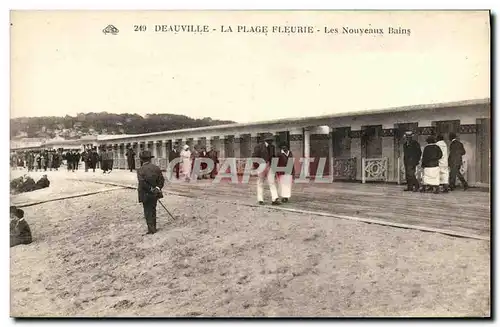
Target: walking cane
166 209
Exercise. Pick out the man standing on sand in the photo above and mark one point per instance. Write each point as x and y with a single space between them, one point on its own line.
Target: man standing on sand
69 160
174 154
457 150
412 153
77 159
86 159
204 165
151 181
130 159
111 159
104 161
94 159
212 154
266 152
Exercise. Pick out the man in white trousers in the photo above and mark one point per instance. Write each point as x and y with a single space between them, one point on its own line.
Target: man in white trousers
444 170
266 151
285 177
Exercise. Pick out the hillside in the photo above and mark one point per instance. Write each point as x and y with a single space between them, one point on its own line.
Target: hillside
72 127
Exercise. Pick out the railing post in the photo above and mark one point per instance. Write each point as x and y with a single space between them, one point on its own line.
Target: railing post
386 165
399 170
332 166
363 173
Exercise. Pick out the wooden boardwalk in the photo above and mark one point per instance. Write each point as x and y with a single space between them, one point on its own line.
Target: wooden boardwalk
462 212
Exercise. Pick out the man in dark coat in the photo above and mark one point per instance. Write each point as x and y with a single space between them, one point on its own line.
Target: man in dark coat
212 154
130 159
104 161
94 159
412 153
57 160
86 159
457 150
203 154
174 154
20 232
266 151
38 161
45 161
77 159
31 161
151 181
111 159
69 160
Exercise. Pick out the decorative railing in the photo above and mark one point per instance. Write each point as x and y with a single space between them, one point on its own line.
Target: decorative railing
121 163
463 169
344 169
419 172
162 163
374 169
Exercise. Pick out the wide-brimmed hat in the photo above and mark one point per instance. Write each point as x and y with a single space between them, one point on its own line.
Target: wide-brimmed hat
146 155
269 138
185 146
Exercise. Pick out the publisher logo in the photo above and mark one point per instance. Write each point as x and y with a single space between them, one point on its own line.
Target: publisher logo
110 29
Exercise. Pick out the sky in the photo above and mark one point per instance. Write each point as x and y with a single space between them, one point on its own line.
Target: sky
63 64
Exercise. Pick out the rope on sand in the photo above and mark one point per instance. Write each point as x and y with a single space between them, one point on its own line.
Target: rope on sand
29 204
326 214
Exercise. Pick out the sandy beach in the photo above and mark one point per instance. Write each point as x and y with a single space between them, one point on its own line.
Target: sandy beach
90 258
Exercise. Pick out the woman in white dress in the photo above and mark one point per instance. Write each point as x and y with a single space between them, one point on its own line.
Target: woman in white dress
444 170
430 164
186 162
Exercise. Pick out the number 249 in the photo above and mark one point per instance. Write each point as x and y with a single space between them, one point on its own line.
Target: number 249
140 28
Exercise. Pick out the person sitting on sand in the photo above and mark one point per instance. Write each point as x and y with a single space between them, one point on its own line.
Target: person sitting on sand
42 183
20 232
16 183
28 185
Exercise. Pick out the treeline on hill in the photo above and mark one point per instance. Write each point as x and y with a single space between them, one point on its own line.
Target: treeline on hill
104 123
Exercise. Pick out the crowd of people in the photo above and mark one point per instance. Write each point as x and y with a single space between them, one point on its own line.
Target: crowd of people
440 163
184 169
43 160
37 160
